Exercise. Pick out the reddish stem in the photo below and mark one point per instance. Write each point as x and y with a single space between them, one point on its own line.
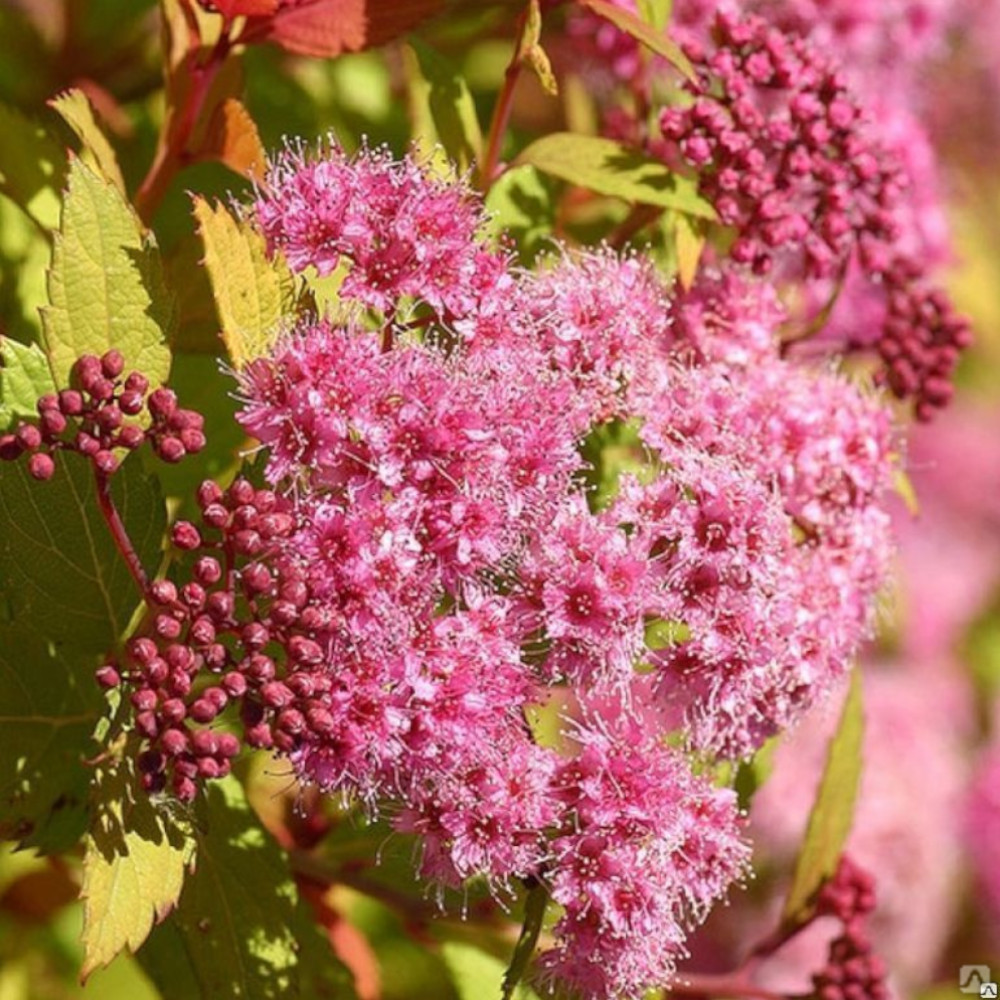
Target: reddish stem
732 984
502 110
118 533
179 127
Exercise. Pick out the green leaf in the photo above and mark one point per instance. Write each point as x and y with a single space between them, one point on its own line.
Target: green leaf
136 856
59 568
32 164
612 168
520 203
25 253
106 285
50 705
479 976
833 811
24 376
534 915
451 106
239 928
254 295
76 110
752 774
655 41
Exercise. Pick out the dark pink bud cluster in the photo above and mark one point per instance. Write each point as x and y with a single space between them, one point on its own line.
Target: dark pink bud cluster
231 634
776 139
98 417
852 971
786 155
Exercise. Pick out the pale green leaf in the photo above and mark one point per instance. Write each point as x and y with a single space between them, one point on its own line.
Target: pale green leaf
59 569
612 168
656 12
76 110
136 856
32 164
24 376
906 491
49 705
452 109
106 284
253 294
641 31
833 811
240 929
25 254
477 975
520 203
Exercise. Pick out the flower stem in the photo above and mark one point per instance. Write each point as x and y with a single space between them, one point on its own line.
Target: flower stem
502 109
118 533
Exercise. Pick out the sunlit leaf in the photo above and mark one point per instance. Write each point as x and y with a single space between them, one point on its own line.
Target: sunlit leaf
833 811
136 856
239 928
24 376
32 164
232 138
106 284
521 204
253 293
689 242
97 152
612 168
477 975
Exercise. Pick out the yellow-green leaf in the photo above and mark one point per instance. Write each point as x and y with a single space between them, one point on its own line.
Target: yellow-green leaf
533 53
656 12
96 151
32 164
106 285
452 109
655 41
689 242
24 376
477 975
240 929
253 293
612 168
906 491
833 811
136 856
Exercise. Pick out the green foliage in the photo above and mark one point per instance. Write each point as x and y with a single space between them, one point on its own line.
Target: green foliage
59 569
31 167
240 929
612 168
521 204
833 811
452 109
136 856
50 705
253 294
24 376
106 284
479 976
534 915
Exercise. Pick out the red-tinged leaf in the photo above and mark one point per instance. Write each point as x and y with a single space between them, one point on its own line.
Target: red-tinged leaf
244 8
329 27
232 138
632 24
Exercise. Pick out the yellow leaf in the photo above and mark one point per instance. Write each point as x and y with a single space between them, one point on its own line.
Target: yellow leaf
253 294
96 152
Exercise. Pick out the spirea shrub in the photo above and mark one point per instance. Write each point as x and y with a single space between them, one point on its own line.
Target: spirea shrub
526 550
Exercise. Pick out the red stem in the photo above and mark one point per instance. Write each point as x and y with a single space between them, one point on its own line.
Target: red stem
725 985
118 533
502 109
171 149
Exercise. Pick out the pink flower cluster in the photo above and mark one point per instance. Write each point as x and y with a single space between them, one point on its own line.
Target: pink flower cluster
425 583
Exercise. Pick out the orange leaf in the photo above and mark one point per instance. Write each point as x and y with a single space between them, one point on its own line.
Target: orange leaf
233 139
244 8
329 27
